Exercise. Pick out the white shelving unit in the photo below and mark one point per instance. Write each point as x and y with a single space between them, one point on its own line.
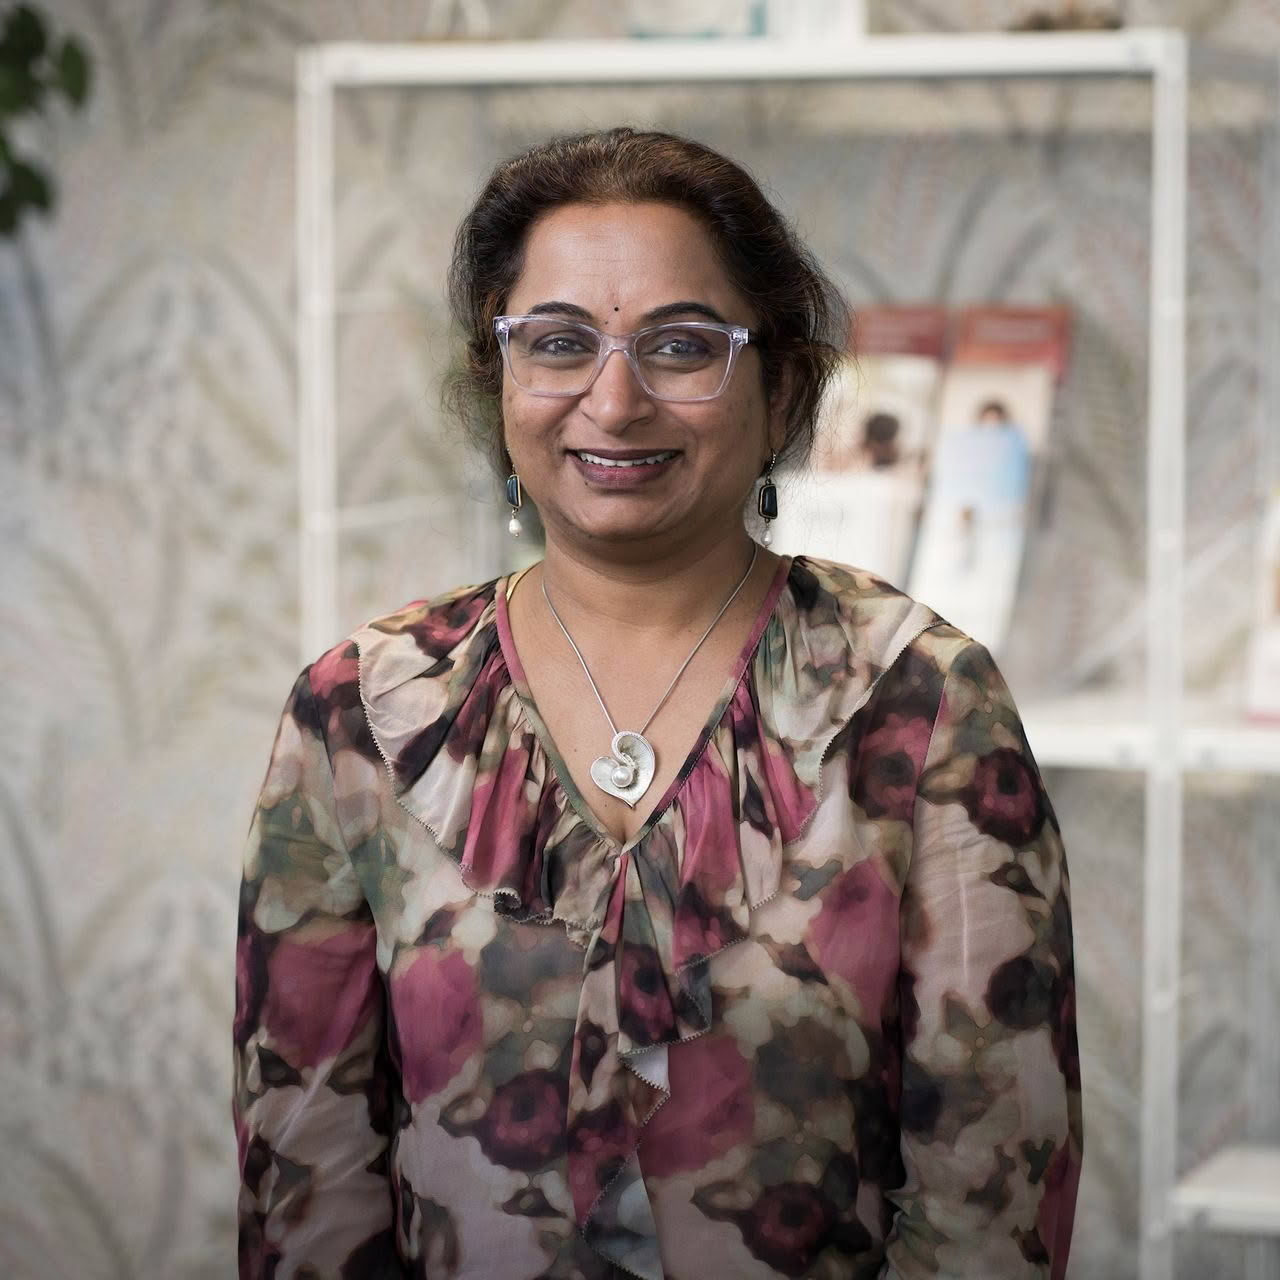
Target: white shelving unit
1239 1189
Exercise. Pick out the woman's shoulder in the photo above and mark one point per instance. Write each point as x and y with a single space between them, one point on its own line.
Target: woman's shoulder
433 626
851 635
430 635
436 623
893 643
867 614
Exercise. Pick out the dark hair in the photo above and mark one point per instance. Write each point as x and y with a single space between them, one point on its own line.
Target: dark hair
803 319
997 407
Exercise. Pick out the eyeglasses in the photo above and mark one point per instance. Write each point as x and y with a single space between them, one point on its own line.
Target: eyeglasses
548 356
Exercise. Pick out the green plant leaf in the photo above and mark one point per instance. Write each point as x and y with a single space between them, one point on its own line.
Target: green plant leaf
73 71
10 93
24 38
30 186
8 213
31 68
19 90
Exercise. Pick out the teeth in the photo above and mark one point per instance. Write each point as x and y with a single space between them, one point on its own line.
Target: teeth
598 461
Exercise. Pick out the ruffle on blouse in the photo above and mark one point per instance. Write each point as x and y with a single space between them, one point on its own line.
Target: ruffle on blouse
465 757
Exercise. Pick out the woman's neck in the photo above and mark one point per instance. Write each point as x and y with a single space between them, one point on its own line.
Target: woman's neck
659 596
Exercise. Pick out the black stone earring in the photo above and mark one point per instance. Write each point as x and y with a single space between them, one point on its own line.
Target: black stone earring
767 503
515 498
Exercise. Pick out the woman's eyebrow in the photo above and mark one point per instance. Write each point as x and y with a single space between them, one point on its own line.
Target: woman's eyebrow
560 309
658 314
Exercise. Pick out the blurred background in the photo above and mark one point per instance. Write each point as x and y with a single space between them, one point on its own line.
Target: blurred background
150 520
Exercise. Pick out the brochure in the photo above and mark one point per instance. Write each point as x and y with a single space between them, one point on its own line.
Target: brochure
987 467
859 503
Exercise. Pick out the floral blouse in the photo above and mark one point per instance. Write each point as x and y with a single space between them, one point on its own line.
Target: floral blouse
817 1018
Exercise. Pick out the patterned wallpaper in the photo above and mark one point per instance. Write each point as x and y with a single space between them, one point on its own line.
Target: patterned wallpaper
148 543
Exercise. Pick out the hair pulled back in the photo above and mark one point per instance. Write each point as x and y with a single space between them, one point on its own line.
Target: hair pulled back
803 321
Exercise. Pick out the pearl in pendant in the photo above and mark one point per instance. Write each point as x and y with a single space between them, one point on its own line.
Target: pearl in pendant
767 536
623 775
513 526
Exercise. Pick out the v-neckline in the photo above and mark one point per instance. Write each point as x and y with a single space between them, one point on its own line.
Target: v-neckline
560 770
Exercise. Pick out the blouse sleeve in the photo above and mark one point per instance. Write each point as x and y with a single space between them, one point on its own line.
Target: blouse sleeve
991 1132
310 1095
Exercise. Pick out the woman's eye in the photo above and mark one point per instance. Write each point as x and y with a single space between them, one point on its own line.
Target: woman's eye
560 344
678 345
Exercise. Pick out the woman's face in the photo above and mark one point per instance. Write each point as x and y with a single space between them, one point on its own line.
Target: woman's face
621 267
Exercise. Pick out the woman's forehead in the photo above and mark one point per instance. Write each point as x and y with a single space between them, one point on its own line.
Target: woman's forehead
613 260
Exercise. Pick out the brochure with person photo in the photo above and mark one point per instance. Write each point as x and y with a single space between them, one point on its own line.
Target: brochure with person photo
859 503
1262 698
987 466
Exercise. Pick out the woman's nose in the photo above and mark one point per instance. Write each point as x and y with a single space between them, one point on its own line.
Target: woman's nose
616 399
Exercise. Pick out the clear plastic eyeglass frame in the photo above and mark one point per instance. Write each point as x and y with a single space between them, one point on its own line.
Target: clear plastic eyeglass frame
739 336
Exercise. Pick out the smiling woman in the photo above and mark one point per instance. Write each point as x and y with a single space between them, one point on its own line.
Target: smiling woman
670 900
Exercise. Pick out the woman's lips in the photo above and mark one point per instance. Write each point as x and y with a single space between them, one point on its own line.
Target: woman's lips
622 469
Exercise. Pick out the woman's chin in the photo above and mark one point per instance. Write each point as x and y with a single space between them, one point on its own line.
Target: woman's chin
660 527
631 530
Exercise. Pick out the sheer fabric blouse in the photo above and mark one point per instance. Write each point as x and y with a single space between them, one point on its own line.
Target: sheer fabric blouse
816 1018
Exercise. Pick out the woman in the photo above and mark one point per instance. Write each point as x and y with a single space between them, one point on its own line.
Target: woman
670 909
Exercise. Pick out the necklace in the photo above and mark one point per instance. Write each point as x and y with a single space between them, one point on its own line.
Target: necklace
628 770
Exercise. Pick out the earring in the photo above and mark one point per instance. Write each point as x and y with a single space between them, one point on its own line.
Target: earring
515 498
767 503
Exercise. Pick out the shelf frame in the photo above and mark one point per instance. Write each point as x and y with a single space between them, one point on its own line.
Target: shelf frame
1165 58
1237 1190
1136 52
1166 552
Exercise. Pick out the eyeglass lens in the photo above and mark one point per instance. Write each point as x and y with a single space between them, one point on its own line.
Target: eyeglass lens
676 362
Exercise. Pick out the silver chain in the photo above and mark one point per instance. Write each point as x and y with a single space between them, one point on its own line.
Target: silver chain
723 610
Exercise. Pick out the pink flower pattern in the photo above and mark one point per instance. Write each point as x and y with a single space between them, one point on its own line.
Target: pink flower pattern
711 1109
336 974
889 766
854 936
1004 797
434 1004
